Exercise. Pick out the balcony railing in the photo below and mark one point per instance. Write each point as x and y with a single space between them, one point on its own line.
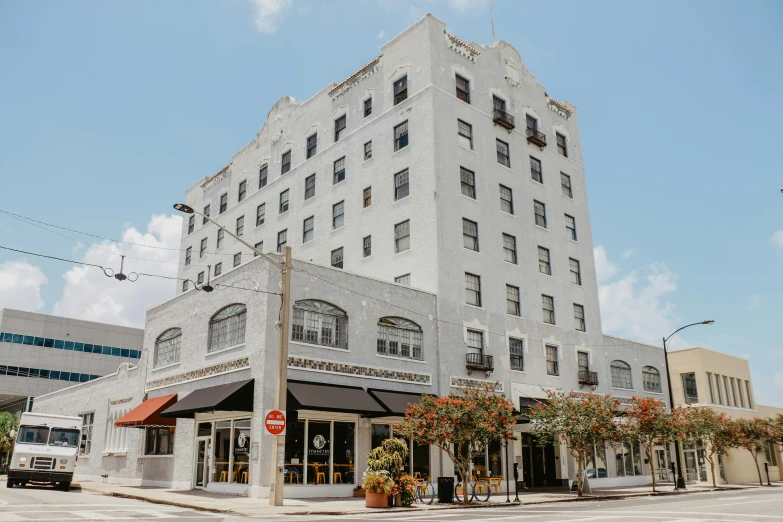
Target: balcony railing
536 137
502 118
589 378
479 361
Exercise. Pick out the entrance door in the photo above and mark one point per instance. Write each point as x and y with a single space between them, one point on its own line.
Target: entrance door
538 466
661 464
203 458
692 467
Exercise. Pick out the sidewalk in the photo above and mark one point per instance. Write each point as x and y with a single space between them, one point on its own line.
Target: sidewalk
201 500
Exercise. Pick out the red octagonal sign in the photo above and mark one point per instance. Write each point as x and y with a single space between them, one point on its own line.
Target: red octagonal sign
275 422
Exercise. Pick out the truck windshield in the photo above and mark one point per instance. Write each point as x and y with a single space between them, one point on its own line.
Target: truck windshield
33 435
64 437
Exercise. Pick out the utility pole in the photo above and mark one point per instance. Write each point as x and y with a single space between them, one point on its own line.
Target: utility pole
277 475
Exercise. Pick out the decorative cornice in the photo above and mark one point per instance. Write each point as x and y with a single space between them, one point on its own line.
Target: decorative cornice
558 108
461 48
464 382
201 373
355 370
354 79
221 174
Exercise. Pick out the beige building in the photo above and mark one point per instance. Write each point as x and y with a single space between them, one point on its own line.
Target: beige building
707 378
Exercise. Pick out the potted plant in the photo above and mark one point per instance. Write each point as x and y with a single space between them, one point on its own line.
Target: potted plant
377 485
404 490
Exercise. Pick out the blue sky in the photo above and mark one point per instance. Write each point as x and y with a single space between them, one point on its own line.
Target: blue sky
110 110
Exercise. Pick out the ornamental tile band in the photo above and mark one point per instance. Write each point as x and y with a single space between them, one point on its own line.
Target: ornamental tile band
464 382
192 375
120 401
367 372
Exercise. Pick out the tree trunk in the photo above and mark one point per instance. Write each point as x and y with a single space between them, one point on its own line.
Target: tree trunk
758 470
579 461
711 460
648 453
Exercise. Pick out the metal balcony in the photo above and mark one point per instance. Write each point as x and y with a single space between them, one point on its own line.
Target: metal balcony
480 362
536 137
502 118
588 378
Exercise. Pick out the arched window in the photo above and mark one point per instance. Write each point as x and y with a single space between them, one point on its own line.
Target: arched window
651 378
167 347
227 327
621 375
319 322
399 337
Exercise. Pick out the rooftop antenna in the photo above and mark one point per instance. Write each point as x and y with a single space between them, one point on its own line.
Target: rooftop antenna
492 19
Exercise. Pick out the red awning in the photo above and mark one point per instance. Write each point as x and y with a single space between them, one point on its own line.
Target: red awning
148 414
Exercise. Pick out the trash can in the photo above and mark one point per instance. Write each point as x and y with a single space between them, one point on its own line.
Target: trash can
445 490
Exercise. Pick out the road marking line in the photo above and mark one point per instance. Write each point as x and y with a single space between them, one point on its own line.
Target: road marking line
90 515
615 513
749 502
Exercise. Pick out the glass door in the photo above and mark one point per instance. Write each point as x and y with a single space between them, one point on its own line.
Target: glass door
691 466
661 464
203 451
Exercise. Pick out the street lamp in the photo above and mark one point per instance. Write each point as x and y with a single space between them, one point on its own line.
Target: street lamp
680 479
276 477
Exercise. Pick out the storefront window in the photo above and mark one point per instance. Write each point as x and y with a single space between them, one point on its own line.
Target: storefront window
480 464
421 460
160 441
222 450
629 461
241 451
294 452
495 462
595 462
318 452
204 429
344 453
380 432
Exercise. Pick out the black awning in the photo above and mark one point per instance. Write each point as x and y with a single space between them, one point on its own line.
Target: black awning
395 402
331 397
235 396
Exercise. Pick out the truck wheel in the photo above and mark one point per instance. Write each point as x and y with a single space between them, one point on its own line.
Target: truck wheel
65 486
9 483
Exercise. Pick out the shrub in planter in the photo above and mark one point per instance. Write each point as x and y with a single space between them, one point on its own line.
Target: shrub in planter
378 485
405 489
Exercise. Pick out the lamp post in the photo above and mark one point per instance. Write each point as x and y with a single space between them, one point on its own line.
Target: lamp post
680 484
277 475
508 491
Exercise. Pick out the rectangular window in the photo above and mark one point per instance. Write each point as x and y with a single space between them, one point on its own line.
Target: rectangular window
499 104
339 170
283 202
220 235
262 174
191 224
85 445
368 150
561 144
510 248
552 362
770 454
401 136
583 361
516 348
285 163
750 397
282 240
532 123
312 145
544 262
367 197
535 170
307 229
548 307
689 388
367 107
338 215
200 278
504 157
260 214
242 191
367 246
339 127
188 252
717 388
223 202
465 134
337 257
579 317
309 186
218 268
401 90
159 441
733 392
506 199
468 182
470 235
240 226
739 391
576 271
726 389
476 340
237 259
402 236
472 289
709 385
203 248
259 247
401 185
463 89
570 227
539 209
404 279
565 185
204 221
512 300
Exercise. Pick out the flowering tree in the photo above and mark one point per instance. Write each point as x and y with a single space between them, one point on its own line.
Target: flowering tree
461 424
8 422
647 423
582 421
716 431
776 425
752 434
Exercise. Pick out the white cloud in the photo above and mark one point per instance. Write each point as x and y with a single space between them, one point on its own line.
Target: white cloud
628 253
604 268
90 295
777 238
20 286
380 34
268 14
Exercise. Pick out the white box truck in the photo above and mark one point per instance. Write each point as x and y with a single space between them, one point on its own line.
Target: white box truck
46 450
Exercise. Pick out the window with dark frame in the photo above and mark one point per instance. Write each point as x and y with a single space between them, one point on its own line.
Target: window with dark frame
191 224
309 186
339 171
203 250
401 185
307 229
476 340
561 144
467 182
312 145
516 349
552 360
465 134
240 226
402 236
367 197
282 239
258 246
367 107
401 136
339 127
237 258
367 246
535 170
544 261
499 104
463 88
690 389
576 271
506 199
204 221
651 379
200 278
579 317
570 227
223 202
583 362
510 248
262 175
159 440
472 289
621 375
218 268
470 235
401 90
532 123
260 214
285 164
338 215
565 185
283 202
512 300
404 279
548 307
504 157
185 285
337 257
188 252
220 235
242 191
368 150
539 210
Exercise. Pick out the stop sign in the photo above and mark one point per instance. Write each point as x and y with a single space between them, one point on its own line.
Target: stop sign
275 422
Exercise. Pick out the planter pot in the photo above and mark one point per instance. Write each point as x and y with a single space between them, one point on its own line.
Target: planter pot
376 500
358 492
398 500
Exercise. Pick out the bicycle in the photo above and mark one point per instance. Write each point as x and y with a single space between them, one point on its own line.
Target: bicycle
425 490
481 483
